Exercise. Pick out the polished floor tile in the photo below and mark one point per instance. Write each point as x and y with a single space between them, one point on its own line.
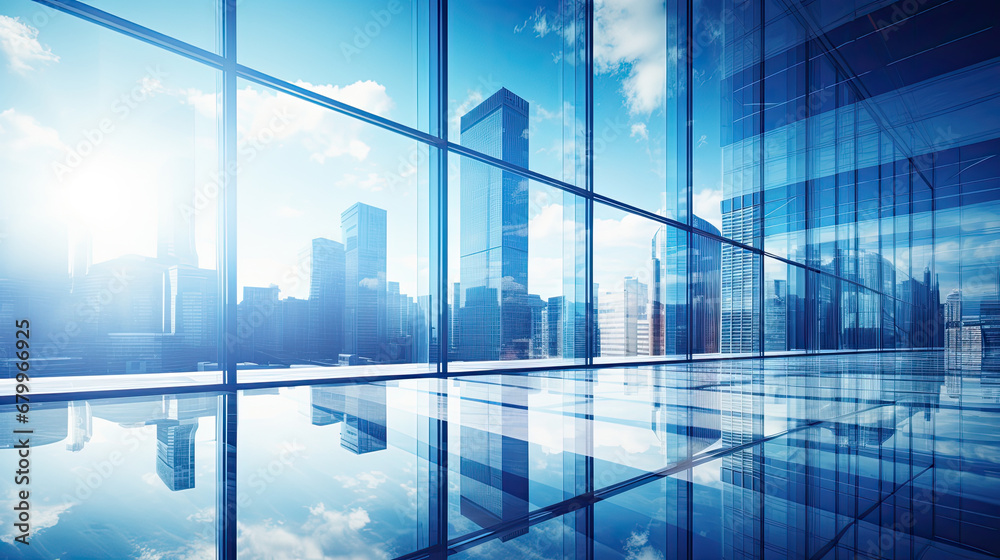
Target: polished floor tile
864 456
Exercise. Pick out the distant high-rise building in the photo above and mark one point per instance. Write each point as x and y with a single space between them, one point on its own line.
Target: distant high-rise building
326 405
555 324
364 429
365 321
953 330
595 341
81 425
327 270
624 321
494 460
670 280
295 319
494 232
175 453
705 285
258 325
190 312
454 324
82 257
741 306
175 243
776 315
396 310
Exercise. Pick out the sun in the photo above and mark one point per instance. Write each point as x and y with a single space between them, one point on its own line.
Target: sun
113 199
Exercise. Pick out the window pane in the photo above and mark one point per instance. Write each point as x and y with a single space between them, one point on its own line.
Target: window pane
785 328
641 281
357 467
107 206
516 263
191 21
332 228
725 117
640 124
368 54
505 470
527 76
128 463
741 276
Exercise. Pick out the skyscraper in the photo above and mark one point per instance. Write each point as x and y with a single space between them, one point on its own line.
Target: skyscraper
190 309
364 233
175 242
668 292
776 315
295 320
258 317
705 285
190 317
624 320
953 330
494 232
364 429
493 437
175 452
327 269
554 325
671 278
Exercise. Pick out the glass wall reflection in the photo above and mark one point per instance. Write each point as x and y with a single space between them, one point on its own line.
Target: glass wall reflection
865 454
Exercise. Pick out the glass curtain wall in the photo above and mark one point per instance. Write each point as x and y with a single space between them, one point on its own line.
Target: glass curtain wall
327 189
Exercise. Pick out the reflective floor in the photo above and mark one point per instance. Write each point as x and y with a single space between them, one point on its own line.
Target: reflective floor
867 456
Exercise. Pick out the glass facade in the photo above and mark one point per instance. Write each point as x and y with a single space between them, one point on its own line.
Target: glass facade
229 196
841 193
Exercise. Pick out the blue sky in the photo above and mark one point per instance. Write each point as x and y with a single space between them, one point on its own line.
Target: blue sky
302 166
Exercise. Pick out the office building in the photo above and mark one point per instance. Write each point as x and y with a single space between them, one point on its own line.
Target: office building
581 279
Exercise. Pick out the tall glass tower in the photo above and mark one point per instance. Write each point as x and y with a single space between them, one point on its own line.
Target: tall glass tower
495 317
364 237
326 297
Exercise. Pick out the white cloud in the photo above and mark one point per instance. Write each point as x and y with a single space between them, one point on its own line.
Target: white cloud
628 39
19 41
472 98
325 535
203 515
366 480
539 23
366 95
19 131
547 224
42 517
639 131
275 542
265 117
370 181
355 520
621 248
289 212
199 550
637 547
630 231
707 205
545 276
